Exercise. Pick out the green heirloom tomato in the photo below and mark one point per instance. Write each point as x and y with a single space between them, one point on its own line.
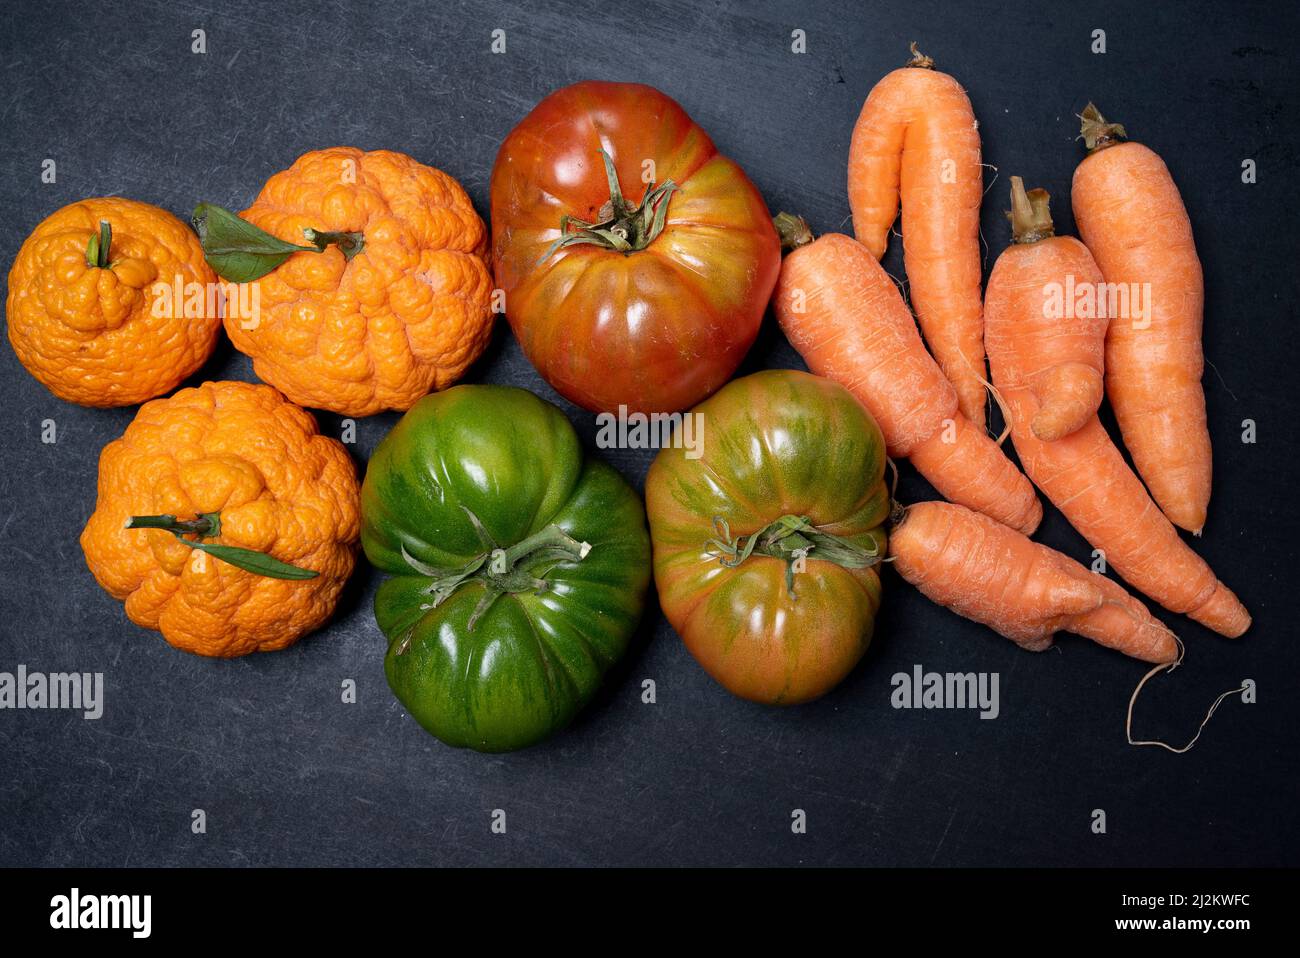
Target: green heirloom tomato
519 566
767 545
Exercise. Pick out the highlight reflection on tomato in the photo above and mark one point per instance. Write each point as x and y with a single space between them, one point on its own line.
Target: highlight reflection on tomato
636 260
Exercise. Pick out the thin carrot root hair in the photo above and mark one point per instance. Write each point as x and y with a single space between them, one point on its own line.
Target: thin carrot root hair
897 511
893 483
902 285
1169 667
996 174
1007 417
984 244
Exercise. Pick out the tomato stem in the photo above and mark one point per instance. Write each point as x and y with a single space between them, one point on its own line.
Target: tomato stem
620 226
791 539
501 570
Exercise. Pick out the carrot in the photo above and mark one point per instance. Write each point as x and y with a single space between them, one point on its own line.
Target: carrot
1085 475
1021 589
1132 217
1048 287
843 314
917 139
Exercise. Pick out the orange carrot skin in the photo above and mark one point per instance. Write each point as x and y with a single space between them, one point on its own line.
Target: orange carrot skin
1087 479
1021 589
1059 358
966 466
843 314
1132 217
917 137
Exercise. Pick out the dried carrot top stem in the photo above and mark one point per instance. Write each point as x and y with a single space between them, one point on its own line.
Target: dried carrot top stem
919 59
793 231
1030 214
1096 132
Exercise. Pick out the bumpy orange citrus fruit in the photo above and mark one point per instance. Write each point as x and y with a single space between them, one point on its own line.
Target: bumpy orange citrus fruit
121 332
406 314
276 487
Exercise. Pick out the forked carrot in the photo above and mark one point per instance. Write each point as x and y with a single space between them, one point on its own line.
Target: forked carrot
1085 475
1045 293
916 139
843 314
1019 588
1132 217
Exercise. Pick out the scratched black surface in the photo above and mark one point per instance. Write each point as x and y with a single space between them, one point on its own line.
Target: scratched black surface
287 774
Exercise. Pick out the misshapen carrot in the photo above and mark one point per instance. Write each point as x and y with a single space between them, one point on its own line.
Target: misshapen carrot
1021 589
916 139
1132 217
1061 352
1086 477
843 314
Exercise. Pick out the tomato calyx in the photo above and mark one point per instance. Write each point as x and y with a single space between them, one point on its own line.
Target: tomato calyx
501 570
619 226
792 539
207 525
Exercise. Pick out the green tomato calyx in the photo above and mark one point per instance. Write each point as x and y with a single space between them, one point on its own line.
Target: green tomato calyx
522 567
619 225
793 540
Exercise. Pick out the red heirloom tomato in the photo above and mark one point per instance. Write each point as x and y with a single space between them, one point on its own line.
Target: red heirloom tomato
768 535
636 260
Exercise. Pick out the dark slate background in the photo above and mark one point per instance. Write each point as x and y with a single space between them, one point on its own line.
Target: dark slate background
289 775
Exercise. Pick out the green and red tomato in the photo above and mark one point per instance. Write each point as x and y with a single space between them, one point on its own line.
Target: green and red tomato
767 545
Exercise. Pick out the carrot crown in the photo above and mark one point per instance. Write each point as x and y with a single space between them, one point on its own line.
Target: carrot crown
1096 132
919 59
1030 213
793 231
